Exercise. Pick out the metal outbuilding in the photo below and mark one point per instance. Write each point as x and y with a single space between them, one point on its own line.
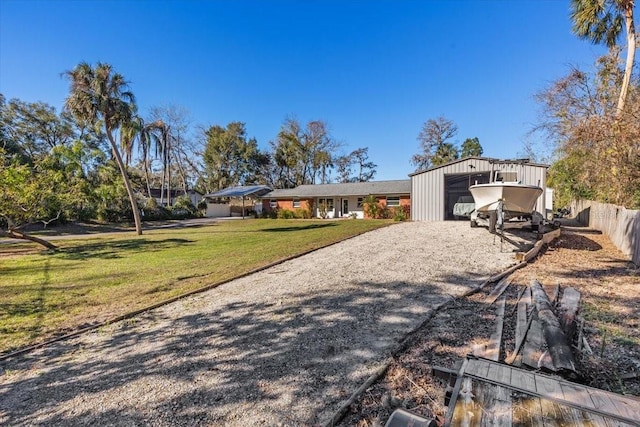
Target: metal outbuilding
436 190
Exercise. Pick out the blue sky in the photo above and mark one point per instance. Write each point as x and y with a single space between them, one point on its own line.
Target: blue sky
374 70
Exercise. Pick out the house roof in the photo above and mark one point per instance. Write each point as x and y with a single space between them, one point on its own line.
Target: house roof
488 159
345 189
240 191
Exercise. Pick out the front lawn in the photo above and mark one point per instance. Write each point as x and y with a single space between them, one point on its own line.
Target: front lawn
91 280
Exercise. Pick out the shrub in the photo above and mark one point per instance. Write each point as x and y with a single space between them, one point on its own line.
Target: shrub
322 210
184 203
399 214
285 214
302 214
371 206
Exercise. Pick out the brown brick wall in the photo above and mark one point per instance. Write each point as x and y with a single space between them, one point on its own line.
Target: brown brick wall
286 204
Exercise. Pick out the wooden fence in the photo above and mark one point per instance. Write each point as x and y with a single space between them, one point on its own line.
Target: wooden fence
620 224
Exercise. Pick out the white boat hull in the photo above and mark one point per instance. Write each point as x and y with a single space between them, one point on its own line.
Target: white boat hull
517 199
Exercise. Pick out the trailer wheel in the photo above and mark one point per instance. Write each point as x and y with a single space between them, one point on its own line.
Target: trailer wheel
474 224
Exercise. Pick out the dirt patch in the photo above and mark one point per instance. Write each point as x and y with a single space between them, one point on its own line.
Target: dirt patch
581 258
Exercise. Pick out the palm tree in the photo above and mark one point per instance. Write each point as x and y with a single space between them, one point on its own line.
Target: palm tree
146 134
600 21
445 153
99 96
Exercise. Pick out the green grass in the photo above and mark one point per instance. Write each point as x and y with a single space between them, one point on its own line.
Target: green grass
91 280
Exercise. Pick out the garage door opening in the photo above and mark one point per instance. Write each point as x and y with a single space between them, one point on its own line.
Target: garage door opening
456 190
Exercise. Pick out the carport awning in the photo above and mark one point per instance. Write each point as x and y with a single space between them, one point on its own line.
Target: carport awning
240 191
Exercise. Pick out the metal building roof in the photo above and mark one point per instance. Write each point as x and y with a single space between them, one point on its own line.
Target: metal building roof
488 159
345 189
240 191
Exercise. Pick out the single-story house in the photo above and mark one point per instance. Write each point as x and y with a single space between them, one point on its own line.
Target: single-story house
436 190
339 200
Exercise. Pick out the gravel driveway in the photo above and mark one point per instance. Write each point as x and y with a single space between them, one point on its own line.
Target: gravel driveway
285 346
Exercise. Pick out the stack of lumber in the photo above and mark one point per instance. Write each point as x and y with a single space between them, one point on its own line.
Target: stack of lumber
545 329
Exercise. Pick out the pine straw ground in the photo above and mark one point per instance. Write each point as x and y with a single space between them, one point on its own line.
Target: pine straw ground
582 258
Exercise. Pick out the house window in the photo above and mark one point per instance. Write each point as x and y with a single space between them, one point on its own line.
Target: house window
359 202
273 204
296 203
393 201
328 203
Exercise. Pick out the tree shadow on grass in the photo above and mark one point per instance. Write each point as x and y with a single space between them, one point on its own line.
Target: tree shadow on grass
294 356
300 227
117 249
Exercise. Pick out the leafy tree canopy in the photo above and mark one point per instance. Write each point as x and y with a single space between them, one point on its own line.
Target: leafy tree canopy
433 135
230 156
471 148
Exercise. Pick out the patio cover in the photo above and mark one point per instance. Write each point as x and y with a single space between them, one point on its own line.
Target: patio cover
240 191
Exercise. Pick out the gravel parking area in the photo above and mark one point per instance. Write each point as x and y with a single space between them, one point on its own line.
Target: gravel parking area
285 346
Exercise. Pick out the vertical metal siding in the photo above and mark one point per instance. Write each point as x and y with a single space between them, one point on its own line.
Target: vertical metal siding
427 188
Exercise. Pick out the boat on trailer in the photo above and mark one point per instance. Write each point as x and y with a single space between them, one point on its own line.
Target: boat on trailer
500 200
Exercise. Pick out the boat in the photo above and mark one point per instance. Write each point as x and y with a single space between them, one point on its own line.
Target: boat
516 199
499 201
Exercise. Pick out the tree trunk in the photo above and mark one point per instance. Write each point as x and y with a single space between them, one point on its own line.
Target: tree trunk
631 52
15 234
168 181
127 183
146 177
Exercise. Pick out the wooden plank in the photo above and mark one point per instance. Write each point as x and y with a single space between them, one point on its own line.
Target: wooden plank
551 413
499 373
498 290
454 412
523 380
548 387
626 407
601 401
495 404
561 403
520 294
492 351
533 252
577 394
477 367
576 417
527 411
569 305
533 353
550 236
555 291
522 327
466 412
554 336
521 321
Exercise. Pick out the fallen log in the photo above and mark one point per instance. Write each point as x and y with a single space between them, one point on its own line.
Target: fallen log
559 349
